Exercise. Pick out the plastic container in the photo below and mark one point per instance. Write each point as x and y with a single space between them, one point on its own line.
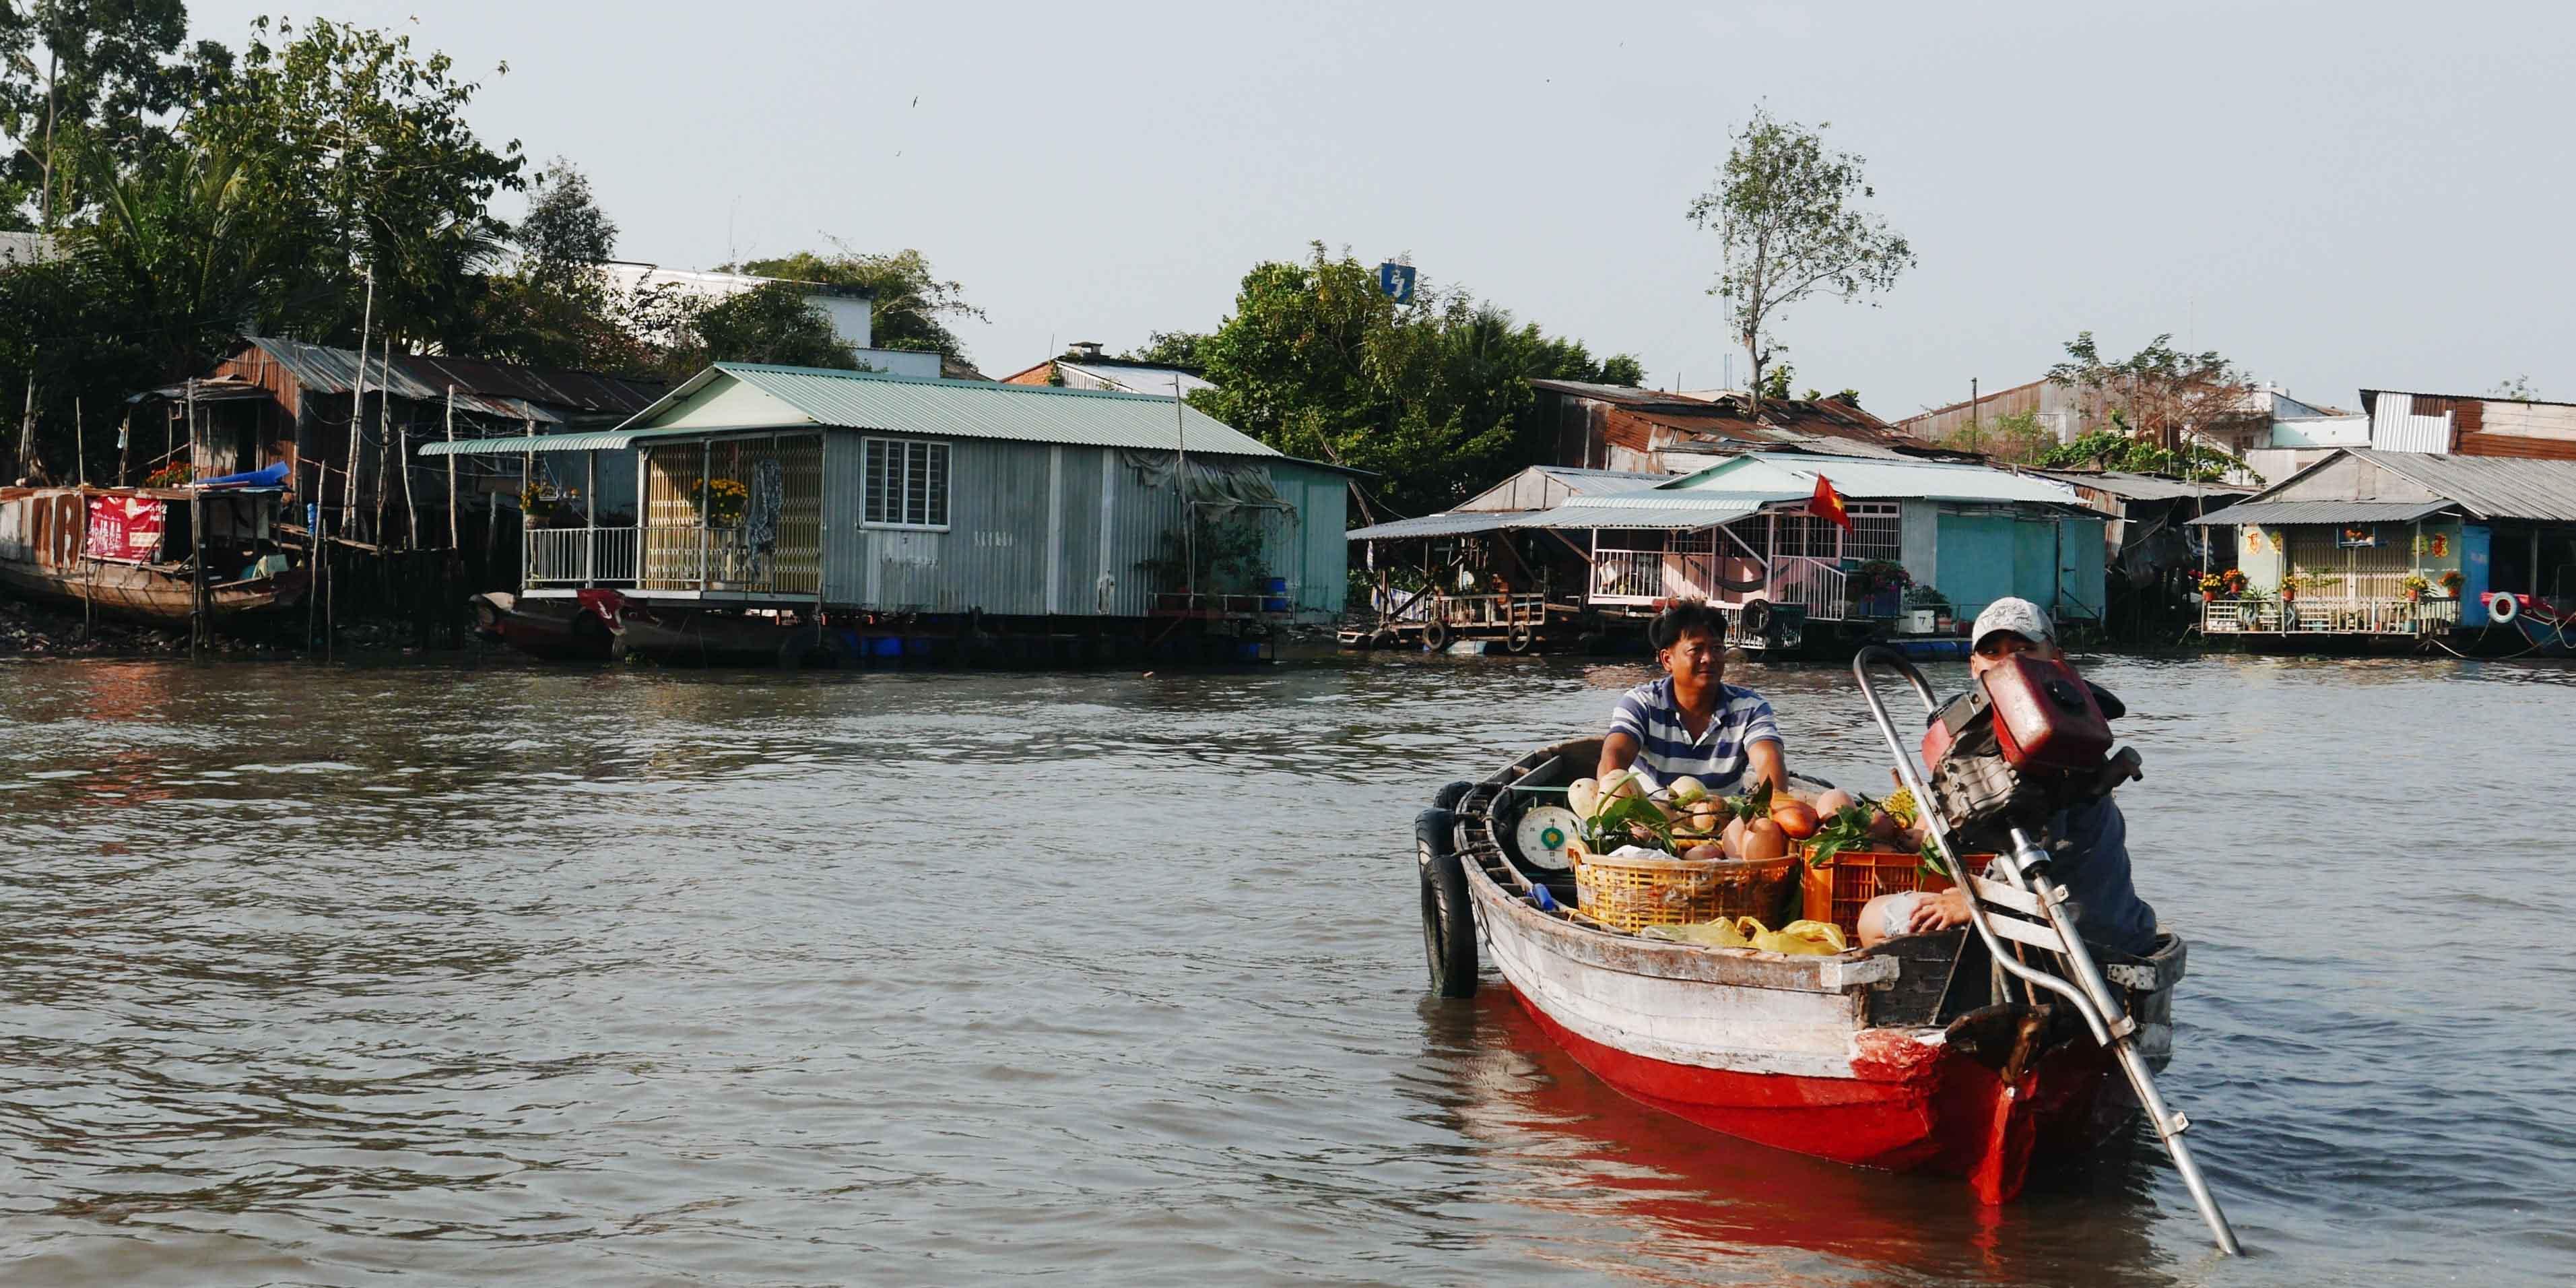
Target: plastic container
885 646
1837 891
1632 893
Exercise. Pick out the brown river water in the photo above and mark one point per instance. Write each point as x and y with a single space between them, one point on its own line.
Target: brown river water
496 973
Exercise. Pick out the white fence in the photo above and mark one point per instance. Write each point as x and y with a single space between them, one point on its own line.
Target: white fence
580 556
1822 587
2307 616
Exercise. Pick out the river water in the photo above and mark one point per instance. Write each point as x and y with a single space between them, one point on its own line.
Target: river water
504 974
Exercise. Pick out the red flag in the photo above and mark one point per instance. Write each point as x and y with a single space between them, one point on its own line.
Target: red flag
1828 504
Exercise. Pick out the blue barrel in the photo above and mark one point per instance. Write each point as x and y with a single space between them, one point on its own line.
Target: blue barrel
885 646
1276 585
916 647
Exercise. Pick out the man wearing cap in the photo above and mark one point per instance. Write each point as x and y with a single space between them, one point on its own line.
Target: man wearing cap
2088 844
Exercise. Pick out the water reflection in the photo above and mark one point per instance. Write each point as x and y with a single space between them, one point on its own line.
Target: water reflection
1637 1194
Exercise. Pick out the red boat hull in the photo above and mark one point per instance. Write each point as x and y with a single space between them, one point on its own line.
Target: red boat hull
1907 1105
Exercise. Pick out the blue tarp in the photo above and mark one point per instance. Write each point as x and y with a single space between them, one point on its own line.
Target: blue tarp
273 476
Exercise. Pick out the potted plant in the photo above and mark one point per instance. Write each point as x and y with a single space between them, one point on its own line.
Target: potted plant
174 474
1880 579
726 501
2451 583
2413 587
537 500
2211 584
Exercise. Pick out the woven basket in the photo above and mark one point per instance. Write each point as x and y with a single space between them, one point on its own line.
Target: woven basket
1632 893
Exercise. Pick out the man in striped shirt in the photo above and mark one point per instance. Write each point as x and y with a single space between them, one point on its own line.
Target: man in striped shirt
1691 721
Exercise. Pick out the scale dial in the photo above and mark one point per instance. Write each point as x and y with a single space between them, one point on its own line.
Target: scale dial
1544 833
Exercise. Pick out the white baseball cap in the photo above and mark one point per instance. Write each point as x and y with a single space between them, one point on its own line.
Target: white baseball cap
2020 616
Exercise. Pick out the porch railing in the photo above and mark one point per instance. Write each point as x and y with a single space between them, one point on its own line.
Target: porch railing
580 557
2329 617
1628 576
1822 587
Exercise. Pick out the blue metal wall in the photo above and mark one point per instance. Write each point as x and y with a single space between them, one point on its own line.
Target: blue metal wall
1032 527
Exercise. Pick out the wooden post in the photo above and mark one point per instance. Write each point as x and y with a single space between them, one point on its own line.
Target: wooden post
196 539
411 504
453 540
358 402
124 435
590 518
384 451
80 447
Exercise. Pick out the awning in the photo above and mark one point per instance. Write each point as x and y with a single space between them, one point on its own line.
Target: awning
2277 513
604 440
1643 516
1561 519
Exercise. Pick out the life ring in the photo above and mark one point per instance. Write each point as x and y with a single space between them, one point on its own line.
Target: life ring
1755 618
2503 607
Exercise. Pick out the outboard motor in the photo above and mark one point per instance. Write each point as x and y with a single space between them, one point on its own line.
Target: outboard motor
2029 739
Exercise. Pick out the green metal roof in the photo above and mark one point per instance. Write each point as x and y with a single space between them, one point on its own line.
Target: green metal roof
600 440
913 405
986 409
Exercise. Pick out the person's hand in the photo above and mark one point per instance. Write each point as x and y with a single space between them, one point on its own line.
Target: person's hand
1940 912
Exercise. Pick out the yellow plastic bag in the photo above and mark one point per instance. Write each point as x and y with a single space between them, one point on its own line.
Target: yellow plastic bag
1711 934
1808 938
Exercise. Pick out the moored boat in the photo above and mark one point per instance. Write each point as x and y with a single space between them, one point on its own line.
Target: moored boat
131 553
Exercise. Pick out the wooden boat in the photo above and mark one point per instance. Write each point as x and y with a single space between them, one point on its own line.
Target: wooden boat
107 548
557 630
1892 1057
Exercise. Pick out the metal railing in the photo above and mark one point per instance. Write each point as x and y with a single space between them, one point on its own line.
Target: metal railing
1822 587
580 556
1627 576
2329 616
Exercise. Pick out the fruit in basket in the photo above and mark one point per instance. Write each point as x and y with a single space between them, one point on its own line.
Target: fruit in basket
1706 816
1584 798
1622 782
1884 827
1733 838
1832 801
1796 817
1763 839
1711 850
1686 790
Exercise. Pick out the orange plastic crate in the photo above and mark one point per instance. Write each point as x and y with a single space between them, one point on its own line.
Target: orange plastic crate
1847 882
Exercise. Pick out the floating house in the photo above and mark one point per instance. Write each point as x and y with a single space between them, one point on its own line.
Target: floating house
1553 554
2359 548
944 512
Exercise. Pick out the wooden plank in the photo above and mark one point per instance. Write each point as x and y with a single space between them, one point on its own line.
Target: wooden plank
2024 932
2004 896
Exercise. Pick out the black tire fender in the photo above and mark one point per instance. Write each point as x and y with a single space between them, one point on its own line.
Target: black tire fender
1435 635
1449 796
1448 916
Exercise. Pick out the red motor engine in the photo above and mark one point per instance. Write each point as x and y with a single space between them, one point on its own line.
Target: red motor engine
2030 738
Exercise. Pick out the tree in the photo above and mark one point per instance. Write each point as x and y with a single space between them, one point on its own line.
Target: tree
556 308
1171 349
1432 396
1787 229
909 304
2517 388
82 73
2158 393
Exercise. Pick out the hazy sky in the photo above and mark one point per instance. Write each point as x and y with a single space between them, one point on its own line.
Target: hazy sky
2332 194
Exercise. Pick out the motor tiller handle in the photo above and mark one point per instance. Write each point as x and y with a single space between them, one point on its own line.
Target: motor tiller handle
2094 999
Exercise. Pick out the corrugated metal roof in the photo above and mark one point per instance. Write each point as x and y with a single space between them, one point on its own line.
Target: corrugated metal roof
2287 512
2142 487
597 440
1641 516
980 409
324 369
576 391
1441 525
2490 487
1770 475
1584 482
1563 518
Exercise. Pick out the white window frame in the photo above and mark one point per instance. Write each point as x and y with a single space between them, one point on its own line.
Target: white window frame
898 481
1875 510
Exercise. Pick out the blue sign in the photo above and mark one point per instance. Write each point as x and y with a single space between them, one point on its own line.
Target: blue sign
1396 280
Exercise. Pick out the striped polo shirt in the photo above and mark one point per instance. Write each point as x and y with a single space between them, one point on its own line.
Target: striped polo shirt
1716 758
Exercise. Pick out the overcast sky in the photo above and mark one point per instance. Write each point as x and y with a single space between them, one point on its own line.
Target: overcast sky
2332 194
